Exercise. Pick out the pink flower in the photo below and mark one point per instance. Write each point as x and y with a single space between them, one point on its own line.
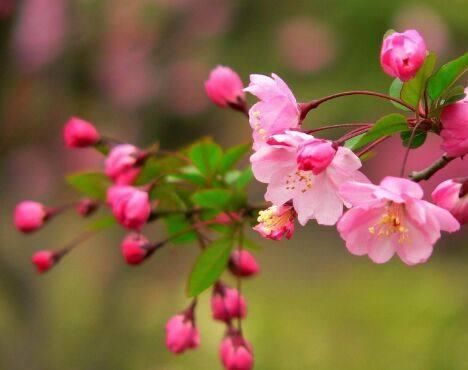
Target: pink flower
79 133
133 249
224 87
392 218
313 195
236 353
276 222
30 216
243 264
454 132
181 334
276 111
121 164
403 54
453 196
227 303
130 206
44 260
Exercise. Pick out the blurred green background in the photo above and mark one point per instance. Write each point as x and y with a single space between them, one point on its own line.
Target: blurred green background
135 68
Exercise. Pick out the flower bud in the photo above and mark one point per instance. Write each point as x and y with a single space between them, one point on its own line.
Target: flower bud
403 54
454 131
236 353
133 249
227 218
453 196
79 133
243 264
130 206
181 333
86 207
315 155
276 222
44 260
30 216
225 88
227 304
122 164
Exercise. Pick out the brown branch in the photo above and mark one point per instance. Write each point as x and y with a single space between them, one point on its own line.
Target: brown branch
427 173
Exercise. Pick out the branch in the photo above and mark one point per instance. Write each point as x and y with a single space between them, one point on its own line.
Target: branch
427 173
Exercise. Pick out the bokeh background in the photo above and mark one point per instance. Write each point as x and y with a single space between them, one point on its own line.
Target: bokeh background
135 68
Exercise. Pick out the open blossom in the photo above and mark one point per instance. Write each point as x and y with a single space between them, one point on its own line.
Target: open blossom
403 54
133 249
242 263
121 164
224 87
276 111
236 353
276 222
314 192
181 333
78 133
392 218
227 303
30 216
130 206
454 132
453 196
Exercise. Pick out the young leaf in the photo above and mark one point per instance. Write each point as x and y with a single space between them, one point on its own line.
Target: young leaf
102 223
418 139
244 178
176 224
395 92
446 76
413 90
206 156
353 141
232 156
387 125
209 266
213 198
91 184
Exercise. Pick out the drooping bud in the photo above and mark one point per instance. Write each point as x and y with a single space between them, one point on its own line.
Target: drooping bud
243 264
276 222
236 353
79 133
315 155
135 249
225 88
122 164
181 332
30 216
403 54
227 303
453 196
86 207
44 260
130 206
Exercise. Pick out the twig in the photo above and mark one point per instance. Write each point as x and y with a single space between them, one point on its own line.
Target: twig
427 173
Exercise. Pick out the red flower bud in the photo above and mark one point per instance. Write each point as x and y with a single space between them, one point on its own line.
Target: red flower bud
79 133
224 87
236 353
44 260
227 304
30 216
133 249
243 264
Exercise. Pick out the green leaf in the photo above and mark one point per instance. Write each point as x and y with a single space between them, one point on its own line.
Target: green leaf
232 156
176 224
157 167
387 125
395 92
353 141
102 223
446 76
188 173
209 266
418 139
206 156
413 90
213 198
453 95
91 184
245 177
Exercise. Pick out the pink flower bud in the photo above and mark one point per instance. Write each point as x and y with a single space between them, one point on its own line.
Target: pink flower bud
454 132
131 206
403 54
243 264
236 353
133 249
79 133
30 216
227 303
122 164
227 218
224 87
44 260
276 222
315 155
453 196
181 334
86 207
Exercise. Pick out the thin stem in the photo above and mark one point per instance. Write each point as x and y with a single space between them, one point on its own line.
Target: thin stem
372 146
428 172
342 125
239 280
405 159
351 134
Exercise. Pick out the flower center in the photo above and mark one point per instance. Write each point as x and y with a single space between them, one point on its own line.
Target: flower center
392 222
302 180
272 219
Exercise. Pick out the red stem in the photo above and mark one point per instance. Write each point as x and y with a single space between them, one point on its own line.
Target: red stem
372 146
341 125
